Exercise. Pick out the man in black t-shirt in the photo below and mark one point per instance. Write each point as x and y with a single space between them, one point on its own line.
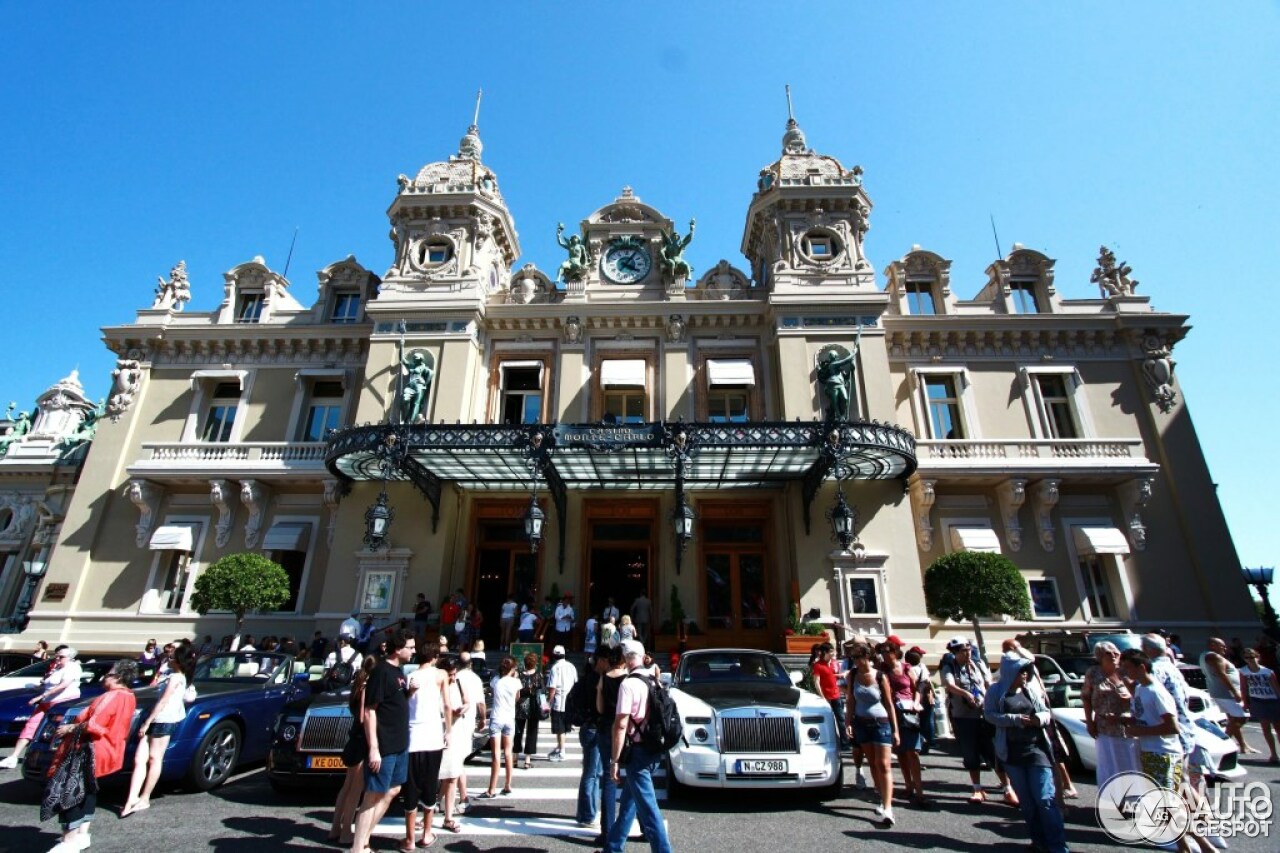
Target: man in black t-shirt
386 726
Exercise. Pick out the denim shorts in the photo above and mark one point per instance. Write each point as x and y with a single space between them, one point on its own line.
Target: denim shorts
497 729
868 732
392 773
162 729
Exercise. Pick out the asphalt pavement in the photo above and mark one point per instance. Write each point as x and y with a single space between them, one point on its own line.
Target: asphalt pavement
247 816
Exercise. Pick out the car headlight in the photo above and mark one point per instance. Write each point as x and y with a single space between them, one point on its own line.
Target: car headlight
701 735
288 732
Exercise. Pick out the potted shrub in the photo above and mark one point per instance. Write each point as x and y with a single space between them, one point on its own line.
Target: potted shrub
800 635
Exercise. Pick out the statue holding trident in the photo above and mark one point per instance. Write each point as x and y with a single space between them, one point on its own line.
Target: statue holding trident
417 385
575 268
673 246
835 374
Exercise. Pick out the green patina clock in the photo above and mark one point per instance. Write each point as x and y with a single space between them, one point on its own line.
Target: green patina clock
626 261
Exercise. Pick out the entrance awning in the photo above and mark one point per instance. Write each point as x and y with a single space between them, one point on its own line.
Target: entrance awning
173 537
634 457
981 539
287 536
1099 540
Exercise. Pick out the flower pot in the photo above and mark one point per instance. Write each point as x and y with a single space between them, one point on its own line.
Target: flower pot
802 644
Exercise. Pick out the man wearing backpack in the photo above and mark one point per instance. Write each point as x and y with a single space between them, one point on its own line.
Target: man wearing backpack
633 751
341 665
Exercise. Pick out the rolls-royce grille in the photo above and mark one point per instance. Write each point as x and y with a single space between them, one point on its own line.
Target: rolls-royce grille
324 734
760 734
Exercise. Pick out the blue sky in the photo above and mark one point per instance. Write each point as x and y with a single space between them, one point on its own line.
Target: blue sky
136 135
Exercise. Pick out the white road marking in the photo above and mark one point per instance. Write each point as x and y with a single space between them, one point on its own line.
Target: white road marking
495 826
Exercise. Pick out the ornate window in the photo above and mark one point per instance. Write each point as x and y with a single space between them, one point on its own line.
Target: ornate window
820 245
346 307
1100 552
1022 297
521 393
919 298
624 390
943 401
1056 400
288 543
324 409
175 544
249 307
220 419
730 390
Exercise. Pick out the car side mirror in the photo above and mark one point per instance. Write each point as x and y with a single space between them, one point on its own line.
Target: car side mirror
302 678
1052 679
796 677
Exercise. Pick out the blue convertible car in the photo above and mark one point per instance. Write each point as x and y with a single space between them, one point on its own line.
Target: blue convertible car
16 707
240 694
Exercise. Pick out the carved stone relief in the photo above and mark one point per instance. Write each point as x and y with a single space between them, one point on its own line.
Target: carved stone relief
332 497
1045 494
220 496
1157 368
1134 497
1012 494
254 495
125 381
145 496
923 497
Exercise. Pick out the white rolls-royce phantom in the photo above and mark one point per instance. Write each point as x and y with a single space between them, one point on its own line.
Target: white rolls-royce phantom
747 725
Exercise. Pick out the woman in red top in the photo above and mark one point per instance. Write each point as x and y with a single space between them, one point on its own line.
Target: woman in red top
824 673
106 721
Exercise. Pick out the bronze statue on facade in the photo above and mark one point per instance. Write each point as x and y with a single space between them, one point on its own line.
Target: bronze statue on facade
835 377
575 268
673 246
417 386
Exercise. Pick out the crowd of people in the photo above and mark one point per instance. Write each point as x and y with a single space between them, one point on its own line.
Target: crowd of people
1135 706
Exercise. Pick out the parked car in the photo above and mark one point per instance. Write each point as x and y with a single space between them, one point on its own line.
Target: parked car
16 707
1208 733
746 725
311 731
26 676
240 694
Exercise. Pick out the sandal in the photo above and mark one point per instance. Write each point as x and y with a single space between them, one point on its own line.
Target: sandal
506 792
423 842
451 826
486 795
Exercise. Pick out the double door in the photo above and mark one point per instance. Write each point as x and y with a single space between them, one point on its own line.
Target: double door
735 583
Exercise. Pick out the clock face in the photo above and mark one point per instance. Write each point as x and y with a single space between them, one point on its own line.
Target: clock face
625 264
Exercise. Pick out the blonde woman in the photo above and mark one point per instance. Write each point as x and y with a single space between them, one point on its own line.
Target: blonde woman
626 631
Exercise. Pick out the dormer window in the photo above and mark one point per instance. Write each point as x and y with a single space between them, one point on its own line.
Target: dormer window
346 307
250 307
920 298
1022 297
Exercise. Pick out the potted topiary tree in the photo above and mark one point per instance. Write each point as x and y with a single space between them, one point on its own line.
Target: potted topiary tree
970 585
241 583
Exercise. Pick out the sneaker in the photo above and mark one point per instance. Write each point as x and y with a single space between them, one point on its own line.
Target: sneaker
9 763
860 780
886 815
589 824
556 755
461 806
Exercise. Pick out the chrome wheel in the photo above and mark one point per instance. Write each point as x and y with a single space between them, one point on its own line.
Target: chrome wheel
216 756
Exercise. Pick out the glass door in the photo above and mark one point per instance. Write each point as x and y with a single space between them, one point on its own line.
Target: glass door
735 584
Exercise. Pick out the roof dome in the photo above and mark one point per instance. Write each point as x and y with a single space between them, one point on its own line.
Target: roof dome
801 165
462 172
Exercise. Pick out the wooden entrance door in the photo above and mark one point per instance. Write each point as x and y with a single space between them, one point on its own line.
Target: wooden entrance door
501 564
619 553
735 582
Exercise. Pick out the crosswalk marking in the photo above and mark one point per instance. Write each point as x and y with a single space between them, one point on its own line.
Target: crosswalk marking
394 827
481 772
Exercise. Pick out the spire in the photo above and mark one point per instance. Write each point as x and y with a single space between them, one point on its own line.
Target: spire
470 147
793 141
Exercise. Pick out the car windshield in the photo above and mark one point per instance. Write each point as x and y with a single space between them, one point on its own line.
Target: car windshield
721 667
35 670
238 667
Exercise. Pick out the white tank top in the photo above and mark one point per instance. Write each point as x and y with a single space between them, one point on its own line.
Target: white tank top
426 714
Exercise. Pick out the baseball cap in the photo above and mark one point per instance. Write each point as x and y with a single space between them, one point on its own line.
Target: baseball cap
957 643
896 640
917 650
558 651
632 648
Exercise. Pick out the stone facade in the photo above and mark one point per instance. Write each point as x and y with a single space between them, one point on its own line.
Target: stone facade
1051 429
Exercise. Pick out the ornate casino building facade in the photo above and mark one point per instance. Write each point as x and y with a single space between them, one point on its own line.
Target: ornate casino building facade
799 430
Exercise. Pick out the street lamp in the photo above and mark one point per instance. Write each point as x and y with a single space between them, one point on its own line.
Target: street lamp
682 518
33 569
377 520
844 521
534 518
1260 578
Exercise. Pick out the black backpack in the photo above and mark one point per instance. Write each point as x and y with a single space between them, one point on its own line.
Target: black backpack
661 729
340 675
580 704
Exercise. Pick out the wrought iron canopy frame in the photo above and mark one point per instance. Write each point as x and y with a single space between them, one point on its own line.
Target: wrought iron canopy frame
665 456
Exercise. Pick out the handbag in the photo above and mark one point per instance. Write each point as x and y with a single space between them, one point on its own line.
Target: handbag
544 705
907 719
71 778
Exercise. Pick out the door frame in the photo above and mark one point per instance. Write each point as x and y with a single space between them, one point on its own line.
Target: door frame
760 511
495 509
621 509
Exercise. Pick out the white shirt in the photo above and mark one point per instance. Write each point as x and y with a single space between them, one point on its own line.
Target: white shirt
349 628
505 691
426 711
528 620
509 610
175 709
350 655
564 618
1151 703
69 674
562 678
472 690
